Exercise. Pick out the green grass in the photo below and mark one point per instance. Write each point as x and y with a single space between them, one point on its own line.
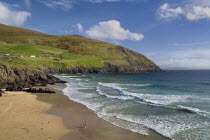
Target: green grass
25 50
66 59
63 52
51 50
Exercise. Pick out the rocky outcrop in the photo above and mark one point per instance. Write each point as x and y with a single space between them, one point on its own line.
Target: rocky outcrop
14 78
39 90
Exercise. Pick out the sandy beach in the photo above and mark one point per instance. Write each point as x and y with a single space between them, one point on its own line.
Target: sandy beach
22 117
53 116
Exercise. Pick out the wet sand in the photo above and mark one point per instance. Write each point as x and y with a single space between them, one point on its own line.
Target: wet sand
75 115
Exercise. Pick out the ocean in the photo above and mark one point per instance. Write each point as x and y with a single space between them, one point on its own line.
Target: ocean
175 104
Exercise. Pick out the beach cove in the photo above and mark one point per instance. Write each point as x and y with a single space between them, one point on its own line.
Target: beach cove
54 116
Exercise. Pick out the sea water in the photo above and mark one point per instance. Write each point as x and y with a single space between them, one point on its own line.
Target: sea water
175 104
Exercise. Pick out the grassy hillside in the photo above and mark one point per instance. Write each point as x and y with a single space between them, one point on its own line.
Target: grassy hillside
67 53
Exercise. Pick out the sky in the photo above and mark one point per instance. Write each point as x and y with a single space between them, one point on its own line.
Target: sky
175 34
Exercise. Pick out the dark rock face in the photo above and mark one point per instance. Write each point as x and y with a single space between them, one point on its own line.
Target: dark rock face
109 68
15 79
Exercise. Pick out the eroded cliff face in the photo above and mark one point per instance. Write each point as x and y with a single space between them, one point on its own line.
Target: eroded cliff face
17 78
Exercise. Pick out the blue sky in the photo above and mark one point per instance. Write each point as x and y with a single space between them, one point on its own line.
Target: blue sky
173 33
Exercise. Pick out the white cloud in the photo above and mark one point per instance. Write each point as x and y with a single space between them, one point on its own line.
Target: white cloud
68 4
80 27
191 11
63 4
186 59
112 30
12 17
166 12
198 12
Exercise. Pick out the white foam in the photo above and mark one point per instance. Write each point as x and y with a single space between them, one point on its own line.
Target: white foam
125 124
112 85
159 99
72 91
85 85
167 125
119 86
149 98
113 97
196 110
105 114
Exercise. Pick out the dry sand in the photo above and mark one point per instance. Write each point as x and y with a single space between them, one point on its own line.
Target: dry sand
22 117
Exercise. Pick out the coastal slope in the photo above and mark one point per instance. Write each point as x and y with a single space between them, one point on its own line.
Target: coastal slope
68 54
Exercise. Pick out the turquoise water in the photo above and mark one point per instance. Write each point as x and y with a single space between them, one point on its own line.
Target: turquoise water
175 104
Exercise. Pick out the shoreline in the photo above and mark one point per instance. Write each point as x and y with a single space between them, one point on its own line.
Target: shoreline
75 115
56 117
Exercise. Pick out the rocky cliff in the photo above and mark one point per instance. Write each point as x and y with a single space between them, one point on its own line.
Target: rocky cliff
107 68
18 78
